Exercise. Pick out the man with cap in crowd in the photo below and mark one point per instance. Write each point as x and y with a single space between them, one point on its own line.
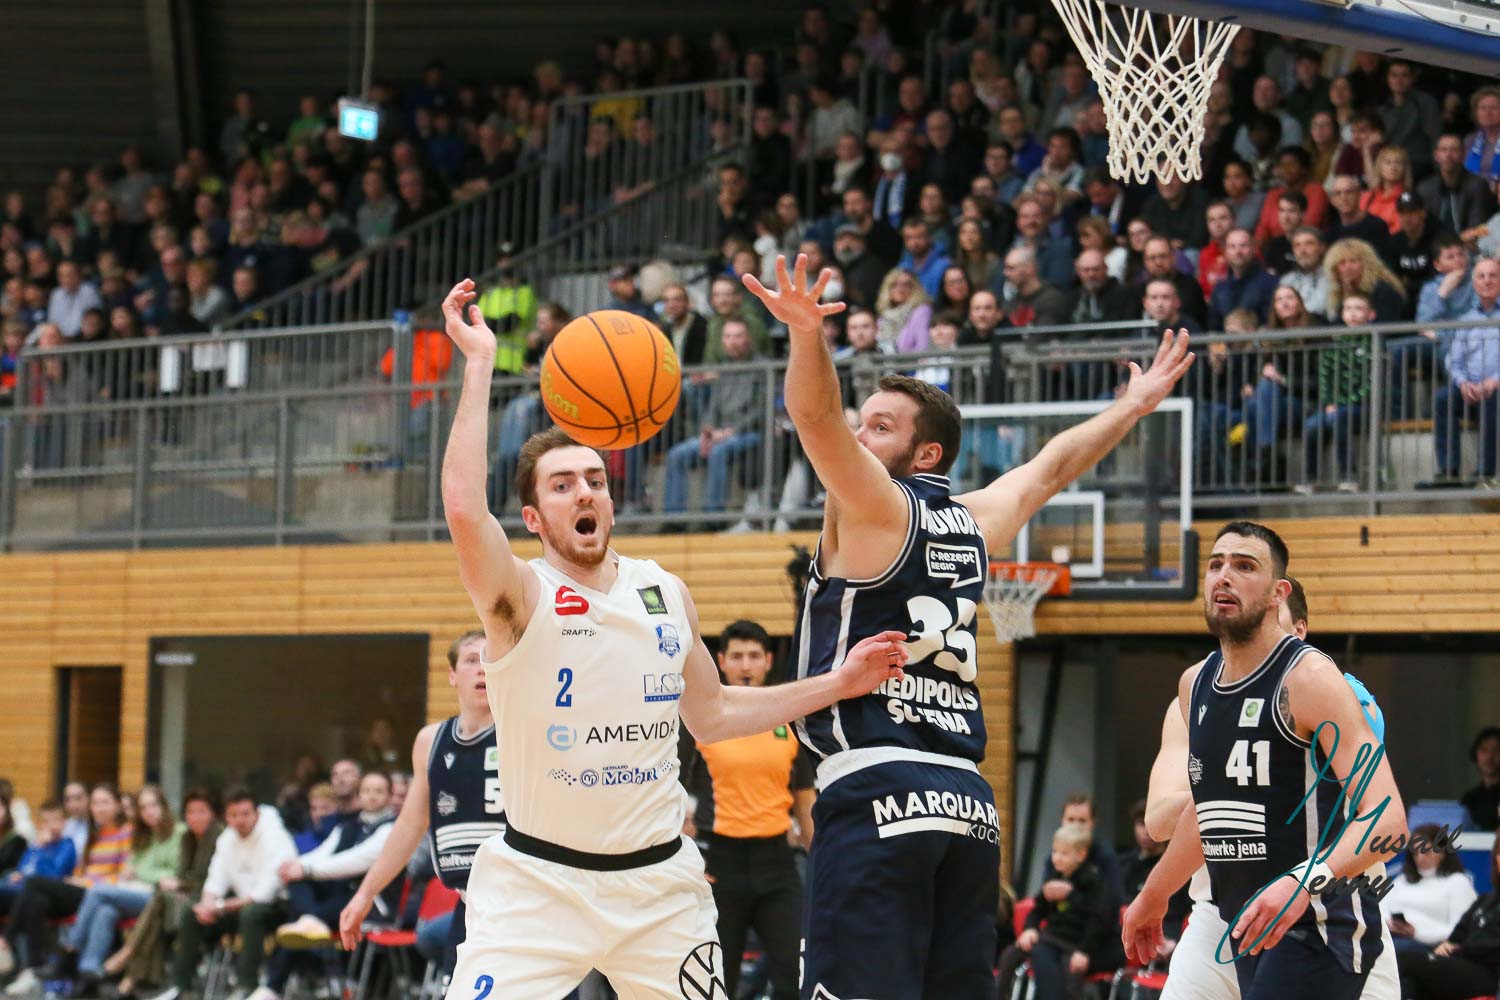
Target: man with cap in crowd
623 293
862 272
1410 252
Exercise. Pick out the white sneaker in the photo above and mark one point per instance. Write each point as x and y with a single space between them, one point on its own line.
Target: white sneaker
170 993
24 985
304 932
1303 489
264 993
7 958
1348 486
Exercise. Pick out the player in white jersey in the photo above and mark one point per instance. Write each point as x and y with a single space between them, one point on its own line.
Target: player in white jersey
590 656
1195 974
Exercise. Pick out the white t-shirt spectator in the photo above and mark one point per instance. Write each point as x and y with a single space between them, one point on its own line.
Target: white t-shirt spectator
246 867
66 309
1432 904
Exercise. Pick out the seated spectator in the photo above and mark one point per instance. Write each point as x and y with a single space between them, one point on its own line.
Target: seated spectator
1000 167
1431 894
860 359
955 292
1093 234
684 327
881 241
1219 220
1031 301
208 302
1063 164
154 853
911 110
1290 215
344 777
726 298
623 292
12 841
1483 800
1099 298
922 258
1356 158
1265 97
1309 279
1309 93
897 186
904 310
43 900
70 299
736 404
1161 265
417 201
142 958
321 816
1322 145
1161 307
932 209
970 116
951 160
984 318
1069 98
1238 181
1283 391
1455 198
862 272
1177 211
770 156
1353 266
971 253
1392 179
1343 386
1140 861
1467 962
937 369
1053 256
1093 130
1411 116
1079 923
75 793
1474 381
51 855
1217 385
1482 145
852 168
1350 220
1109 201
1411 248
1293 170
1137 235
1248 285
831 117
1026 153
242 892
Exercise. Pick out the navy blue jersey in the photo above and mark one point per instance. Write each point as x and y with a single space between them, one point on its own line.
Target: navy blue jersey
464 807
931 592
1249 773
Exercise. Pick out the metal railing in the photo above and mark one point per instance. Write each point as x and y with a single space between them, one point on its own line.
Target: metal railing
594 159
303 459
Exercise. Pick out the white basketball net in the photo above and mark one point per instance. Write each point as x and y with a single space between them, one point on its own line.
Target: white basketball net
1154 73
1012 600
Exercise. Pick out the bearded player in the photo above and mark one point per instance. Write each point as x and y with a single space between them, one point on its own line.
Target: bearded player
1286 785
905 867
589 658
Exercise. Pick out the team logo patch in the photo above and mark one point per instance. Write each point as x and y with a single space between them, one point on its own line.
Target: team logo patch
661 687
779 732
958 564
589 778
701 975
560 737
569 602
652 599
1250 711
448 760
447 804
667 640
492 758
1195 769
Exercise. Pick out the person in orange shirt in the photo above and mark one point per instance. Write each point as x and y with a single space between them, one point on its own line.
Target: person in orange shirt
748 791
431 356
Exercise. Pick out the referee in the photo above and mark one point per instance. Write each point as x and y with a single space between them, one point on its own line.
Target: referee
747 791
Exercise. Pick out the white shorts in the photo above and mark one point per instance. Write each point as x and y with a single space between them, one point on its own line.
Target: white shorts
535 928
1196 975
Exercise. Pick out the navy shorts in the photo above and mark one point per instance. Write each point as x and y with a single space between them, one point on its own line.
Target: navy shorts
1300 967
903 885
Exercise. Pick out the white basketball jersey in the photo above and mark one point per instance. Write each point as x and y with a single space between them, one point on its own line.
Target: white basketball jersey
585 707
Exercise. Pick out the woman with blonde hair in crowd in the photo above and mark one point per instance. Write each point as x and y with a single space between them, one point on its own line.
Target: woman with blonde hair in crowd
155 842
1094 234
143 957
1392 177
1352 265
979 262
903 313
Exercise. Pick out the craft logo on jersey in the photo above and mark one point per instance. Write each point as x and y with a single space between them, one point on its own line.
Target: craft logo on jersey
560 737
958 564
652 599
1201 710
448 759
950 812
447 804
1250 711
569 602
701 975
667 640
662 687
1232 830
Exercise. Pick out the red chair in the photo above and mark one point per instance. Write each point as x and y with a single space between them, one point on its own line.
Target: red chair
437 899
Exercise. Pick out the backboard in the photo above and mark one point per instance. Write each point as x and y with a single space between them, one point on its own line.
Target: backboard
1124 528
1456 34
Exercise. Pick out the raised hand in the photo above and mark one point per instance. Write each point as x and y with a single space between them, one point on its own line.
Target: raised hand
793 302
1148 388
872 662
473 337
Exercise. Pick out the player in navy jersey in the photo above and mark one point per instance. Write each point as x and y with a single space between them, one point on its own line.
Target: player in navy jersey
455 792
904 871
1281 759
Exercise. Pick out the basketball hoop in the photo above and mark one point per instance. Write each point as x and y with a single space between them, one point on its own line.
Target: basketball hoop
1154 73
1012 593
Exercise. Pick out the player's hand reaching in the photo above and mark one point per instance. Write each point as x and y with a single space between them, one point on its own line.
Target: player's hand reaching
352 920
462 319
1148 388
801 308
871 663
1140 931
1261 914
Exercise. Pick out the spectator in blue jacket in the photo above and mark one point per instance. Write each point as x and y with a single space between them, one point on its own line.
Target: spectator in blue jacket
1474 380
1446 296
1248 285
921 257
51 856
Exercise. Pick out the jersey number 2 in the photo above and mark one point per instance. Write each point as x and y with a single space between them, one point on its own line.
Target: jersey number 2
1238 766
938 632
565 678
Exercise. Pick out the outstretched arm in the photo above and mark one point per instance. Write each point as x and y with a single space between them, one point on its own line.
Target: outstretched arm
852 475
1140 931
1002 507
1168 793
497 582
713 711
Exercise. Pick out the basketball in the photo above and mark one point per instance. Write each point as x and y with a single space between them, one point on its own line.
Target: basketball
610 379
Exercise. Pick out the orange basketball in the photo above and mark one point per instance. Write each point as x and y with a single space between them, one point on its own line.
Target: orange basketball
611 379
